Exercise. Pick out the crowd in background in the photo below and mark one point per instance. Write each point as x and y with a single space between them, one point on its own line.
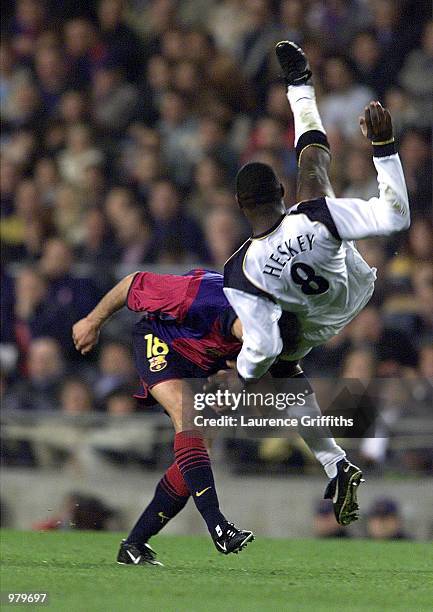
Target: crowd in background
123 126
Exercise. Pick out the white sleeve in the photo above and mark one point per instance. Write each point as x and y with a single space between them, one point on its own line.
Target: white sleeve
380 216
262 341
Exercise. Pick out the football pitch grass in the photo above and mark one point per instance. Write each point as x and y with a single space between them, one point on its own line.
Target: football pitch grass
78 572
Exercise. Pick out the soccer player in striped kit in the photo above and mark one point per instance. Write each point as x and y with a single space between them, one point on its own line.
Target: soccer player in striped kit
187 331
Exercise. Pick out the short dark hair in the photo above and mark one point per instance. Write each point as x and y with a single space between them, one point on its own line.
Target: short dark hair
257 183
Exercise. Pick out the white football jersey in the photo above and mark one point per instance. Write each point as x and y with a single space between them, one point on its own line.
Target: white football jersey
300 283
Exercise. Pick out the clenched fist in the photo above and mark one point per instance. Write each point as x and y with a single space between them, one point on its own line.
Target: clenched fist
85 334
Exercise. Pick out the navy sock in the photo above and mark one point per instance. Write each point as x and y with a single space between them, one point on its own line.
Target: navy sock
194 464
171 495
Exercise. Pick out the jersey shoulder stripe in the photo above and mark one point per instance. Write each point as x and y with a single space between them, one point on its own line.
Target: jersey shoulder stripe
234 274
317 210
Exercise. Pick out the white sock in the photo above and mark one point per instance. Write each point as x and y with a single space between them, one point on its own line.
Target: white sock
302 99
319 439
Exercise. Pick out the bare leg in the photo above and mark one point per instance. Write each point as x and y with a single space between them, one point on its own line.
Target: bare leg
191 456
169 395
171 492
313 179
173 396
312 147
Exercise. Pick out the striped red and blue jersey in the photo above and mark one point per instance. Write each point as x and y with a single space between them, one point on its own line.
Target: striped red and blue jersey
189 312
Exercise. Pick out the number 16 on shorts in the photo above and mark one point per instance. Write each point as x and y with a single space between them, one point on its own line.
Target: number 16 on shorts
156 350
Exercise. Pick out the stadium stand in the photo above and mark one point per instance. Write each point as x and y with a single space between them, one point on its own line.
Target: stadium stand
123 126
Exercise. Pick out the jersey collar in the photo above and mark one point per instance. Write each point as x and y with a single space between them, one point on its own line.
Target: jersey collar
270 230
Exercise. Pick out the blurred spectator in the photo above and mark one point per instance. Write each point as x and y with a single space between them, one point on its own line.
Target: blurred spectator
79 154
26 25
422 282
208 178
408 272
390 21
115 370
170 225
253 51
345 99
392 347
27 224
67 214
385 522
179 135
78 295
223 232
339 19
51 76
125 47
146 168
134 237
93 189
46 179
22 108
271 136
40 390
36 315
325 525
157 17
277 108
97 244
120 403
228 22
425 364
114 99
73 107
359 364
415 151
400 105
84 50
293 20
75 397
369 62
9 177
361 175
117 202
214 143
416 75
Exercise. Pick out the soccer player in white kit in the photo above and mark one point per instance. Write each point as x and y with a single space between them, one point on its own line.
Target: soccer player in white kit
300 279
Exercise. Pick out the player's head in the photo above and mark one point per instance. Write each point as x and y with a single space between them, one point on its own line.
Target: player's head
258 189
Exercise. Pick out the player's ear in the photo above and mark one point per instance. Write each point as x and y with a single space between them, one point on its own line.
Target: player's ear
237 200
282 190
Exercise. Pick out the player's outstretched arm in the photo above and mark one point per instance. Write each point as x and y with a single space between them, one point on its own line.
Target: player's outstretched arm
388 213
85 332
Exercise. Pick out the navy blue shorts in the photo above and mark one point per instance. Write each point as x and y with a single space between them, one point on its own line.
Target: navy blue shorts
156 361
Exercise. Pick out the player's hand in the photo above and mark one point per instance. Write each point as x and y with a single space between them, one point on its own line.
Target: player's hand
85 334
224 380
376 124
